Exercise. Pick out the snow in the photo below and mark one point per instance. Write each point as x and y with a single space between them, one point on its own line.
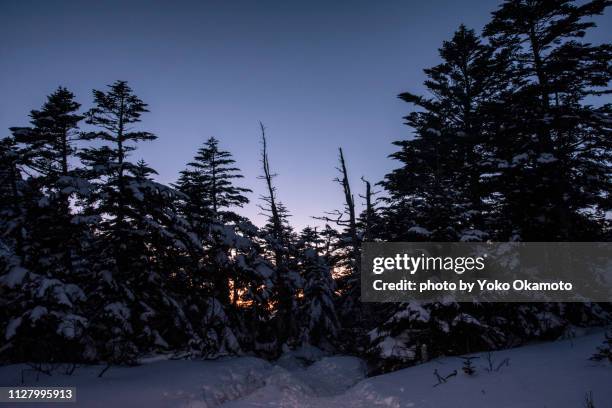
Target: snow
69 325
546 158
119 310
14 277
415 311
37 313
557 374
63 294
473 235
45 284
490 175
11 328
419 231
396 347
159 340
520 158
546 375
466 318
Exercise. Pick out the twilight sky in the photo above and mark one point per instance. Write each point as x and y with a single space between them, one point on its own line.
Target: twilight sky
319 74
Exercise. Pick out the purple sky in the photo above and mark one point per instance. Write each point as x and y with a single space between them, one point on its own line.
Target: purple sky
319 74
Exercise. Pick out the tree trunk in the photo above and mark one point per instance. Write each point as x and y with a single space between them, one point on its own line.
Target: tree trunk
350 206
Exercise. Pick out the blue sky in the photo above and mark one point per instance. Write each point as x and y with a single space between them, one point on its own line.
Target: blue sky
319 74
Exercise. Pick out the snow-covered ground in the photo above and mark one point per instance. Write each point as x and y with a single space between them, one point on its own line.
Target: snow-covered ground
553 375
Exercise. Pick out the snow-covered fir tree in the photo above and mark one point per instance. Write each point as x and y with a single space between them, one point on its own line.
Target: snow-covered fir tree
139 237
551 166
233 275
208 184
502 152
319 325
438 194
44 246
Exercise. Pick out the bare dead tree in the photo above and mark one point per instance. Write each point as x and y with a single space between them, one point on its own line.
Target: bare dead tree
285 321
347 218
350 210
369 211
270 198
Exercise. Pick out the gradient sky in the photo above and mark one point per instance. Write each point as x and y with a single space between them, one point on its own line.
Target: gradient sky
319 74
